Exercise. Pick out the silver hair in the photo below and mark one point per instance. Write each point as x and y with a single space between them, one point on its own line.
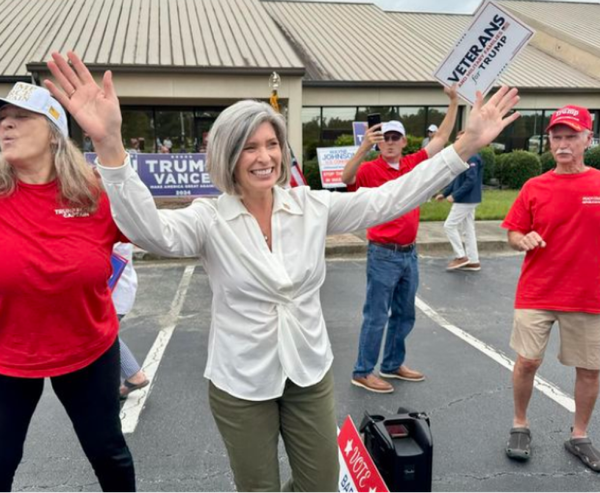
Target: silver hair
585 132
229 133
78 184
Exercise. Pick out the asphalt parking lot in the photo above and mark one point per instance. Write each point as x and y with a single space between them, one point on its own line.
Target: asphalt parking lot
460 342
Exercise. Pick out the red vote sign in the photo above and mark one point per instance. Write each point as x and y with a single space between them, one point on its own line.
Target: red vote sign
357 470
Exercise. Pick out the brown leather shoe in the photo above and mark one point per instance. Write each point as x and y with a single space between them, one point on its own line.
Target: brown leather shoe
373 383
404 373
471 266
457 263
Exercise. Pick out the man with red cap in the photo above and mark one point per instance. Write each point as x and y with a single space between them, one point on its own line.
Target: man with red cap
556 221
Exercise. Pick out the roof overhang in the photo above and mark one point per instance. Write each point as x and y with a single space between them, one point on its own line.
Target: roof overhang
37 67
369 84
429 85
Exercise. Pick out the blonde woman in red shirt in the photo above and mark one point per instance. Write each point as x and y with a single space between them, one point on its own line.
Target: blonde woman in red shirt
57 320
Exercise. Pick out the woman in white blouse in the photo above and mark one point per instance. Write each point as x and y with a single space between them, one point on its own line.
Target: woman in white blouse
269 360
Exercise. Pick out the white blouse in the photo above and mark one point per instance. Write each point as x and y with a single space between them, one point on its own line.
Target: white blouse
267 324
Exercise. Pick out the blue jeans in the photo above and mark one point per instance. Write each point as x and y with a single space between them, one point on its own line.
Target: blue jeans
392 282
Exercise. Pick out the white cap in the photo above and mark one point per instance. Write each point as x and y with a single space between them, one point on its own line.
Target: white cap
38 100
432 128
393 126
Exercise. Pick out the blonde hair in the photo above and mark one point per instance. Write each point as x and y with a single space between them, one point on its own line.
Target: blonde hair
233 127
78 184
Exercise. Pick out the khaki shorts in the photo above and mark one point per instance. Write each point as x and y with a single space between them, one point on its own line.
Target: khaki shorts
579 336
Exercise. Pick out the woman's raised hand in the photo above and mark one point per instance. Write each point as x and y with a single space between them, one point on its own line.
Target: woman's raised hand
96 109
486 121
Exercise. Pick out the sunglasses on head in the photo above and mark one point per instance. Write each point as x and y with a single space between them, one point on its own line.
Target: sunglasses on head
393 136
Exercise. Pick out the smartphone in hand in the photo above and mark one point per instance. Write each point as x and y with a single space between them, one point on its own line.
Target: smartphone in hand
373 119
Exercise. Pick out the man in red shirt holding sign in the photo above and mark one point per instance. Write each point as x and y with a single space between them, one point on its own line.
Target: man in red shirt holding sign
392 266
556 221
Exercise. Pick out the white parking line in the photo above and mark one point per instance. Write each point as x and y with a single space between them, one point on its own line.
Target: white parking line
130 413
545 387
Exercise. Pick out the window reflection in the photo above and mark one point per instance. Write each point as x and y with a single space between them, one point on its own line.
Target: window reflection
138 130
336 122
414 120
311 132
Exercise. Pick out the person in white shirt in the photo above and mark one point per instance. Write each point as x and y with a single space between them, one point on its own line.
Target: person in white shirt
263 248
431 131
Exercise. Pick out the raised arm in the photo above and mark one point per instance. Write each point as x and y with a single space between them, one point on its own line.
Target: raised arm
96 109
486 121
439 140
373 136
371 206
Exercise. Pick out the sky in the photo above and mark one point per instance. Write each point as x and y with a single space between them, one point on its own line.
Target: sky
445 6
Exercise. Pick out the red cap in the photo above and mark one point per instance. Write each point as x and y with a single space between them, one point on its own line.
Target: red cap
576 117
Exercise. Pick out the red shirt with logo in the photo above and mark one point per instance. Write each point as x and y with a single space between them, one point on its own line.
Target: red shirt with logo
372 174
564 209
56 313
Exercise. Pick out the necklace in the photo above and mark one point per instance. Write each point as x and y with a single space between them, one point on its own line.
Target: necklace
266 237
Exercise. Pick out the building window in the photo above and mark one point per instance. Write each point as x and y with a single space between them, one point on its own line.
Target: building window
414 120
311 132
336 122
387 113
138 129
158 129
175 130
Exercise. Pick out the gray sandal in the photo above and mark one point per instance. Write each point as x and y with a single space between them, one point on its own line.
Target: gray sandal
519 444
583 448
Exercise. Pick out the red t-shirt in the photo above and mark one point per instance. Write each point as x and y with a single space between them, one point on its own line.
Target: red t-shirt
565 211
56 313
372 174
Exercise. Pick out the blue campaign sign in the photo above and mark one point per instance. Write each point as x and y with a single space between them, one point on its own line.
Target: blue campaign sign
359 129
172 175
118 264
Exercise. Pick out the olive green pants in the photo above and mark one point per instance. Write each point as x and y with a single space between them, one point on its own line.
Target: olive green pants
305 417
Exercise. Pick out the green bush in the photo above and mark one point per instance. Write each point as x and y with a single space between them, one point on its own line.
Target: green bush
312 174
413 144
499 169
344 140
489 164
592 157
548 162
371 156
519 167
310 149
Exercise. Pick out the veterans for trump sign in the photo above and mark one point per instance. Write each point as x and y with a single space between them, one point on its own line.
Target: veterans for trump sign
485 49
172 175
331 164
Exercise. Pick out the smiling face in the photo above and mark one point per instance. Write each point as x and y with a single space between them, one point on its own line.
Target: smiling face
25 137
259 165
568 146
